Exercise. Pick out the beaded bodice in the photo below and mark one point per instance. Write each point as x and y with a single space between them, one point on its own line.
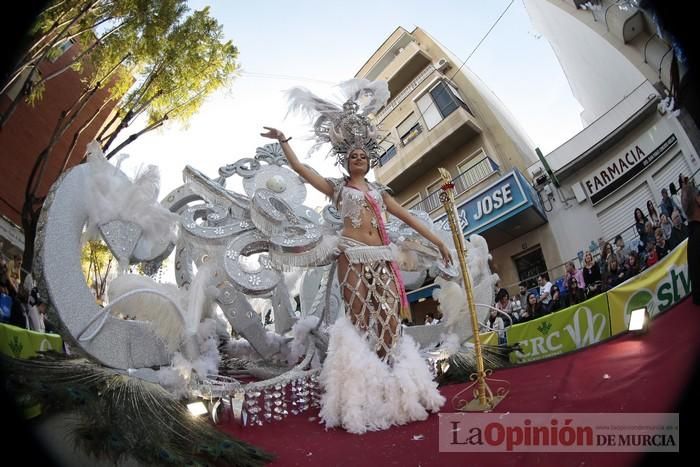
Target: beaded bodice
352 203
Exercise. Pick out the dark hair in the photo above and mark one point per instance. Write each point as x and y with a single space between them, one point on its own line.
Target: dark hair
637 210
672 188
572 280
651 207
619 237
543 275
502 293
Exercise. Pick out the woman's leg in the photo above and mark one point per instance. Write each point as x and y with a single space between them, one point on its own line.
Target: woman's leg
372 301
388 303
354 291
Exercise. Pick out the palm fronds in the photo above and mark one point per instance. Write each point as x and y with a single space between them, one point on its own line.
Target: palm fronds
458 367
122 415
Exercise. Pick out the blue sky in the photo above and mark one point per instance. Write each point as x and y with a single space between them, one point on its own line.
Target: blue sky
317 44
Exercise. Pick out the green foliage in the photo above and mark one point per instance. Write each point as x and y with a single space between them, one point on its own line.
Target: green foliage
168 59
96 261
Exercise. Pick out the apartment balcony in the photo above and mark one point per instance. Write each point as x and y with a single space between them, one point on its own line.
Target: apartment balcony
468 179
421 150
409 61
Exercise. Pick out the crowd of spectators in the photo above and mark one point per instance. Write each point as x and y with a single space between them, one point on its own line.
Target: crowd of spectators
602 268
20 302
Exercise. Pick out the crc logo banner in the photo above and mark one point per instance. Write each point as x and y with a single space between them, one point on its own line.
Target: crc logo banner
658 288
561 332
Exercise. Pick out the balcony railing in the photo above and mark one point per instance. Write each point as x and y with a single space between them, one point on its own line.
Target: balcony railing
411 134
463 182
391 105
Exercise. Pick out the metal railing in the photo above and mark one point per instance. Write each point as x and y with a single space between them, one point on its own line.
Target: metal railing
392 104
463 182
629 235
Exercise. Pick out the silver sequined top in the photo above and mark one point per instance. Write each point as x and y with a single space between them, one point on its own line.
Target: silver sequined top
350 201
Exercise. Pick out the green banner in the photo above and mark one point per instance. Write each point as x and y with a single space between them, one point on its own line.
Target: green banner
561 332
23 343
657 289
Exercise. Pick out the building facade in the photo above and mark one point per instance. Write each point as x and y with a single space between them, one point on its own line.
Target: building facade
441 115
619 69
28 132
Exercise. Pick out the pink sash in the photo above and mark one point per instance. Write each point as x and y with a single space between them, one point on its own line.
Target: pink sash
404 309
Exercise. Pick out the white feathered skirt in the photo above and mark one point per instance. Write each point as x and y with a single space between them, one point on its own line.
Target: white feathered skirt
362 393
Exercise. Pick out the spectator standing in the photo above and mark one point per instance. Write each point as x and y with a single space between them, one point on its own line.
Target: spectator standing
495 323
675 195
640 221
662 246
666 225
532 309
556 303
522 295
573 272
615 273
652 257
690 202
653 215
591 275
668 204
679 231
504 304
576 293
545 288
633 265
621 251
606 253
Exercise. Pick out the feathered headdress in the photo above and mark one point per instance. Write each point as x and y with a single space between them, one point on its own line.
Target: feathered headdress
347 126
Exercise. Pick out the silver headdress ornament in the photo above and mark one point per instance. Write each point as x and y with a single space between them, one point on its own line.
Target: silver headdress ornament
347 126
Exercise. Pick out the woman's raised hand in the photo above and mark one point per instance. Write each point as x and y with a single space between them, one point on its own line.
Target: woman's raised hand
272 133
445 252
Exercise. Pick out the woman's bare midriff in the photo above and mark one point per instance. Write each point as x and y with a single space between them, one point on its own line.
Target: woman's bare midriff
365 234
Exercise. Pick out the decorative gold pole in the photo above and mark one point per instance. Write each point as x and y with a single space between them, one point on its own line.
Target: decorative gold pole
485 399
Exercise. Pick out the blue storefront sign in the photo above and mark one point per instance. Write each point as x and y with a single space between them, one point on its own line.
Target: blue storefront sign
503 199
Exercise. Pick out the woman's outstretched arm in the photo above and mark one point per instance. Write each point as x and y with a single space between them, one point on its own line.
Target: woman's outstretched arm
402 213
306 172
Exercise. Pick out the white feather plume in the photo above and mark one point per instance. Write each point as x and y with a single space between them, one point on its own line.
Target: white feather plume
166 320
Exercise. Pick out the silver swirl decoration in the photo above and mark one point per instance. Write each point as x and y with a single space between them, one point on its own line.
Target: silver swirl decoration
297 239
212 222
279 180
332 218
272 154
246 167
258 282
269 213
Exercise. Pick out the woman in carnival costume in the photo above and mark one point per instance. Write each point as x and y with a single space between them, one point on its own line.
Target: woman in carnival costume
373 377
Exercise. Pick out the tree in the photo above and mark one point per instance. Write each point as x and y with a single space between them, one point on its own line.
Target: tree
164 63
103 29
96 261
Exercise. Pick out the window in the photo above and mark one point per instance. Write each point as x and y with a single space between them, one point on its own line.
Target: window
444 99
471 161
389 151
433 202
435 186
409 128
438 103
473 170
61 49
430 113
17 86
529 265
412 201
